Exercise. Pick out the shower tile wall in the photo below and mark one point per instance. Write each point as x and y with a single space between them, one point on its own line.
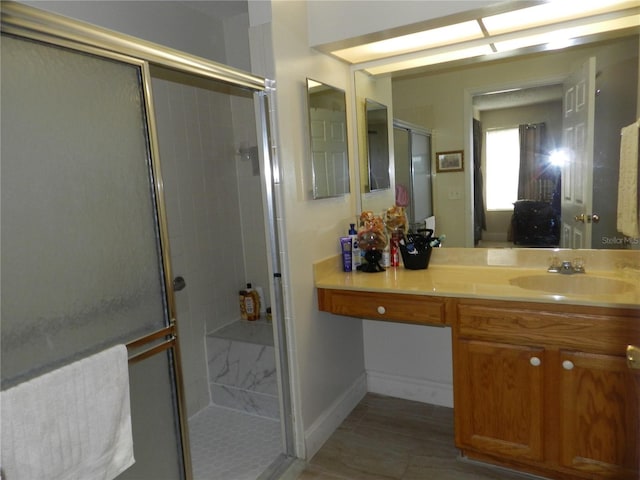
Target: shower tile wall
242 376
200 164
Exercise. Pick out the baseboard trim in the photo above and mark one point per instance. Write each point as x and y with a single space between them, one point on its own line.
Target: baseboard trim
320 431
409 388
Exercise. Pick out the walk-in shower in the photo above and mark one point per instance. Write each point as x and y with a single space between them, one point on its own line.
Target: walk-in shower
122 168
215 214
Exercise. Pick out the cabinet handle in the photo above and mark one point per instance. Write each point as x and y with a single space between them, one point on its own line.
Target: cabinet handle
382 310
535 361
567 365
633 356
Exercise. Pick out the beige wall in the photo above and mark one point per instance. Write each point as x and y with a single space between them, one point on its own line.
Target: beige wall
327 351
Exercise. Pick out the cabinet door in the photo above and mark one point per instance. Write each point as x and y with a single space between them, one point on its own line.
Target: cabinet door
499 398
599 415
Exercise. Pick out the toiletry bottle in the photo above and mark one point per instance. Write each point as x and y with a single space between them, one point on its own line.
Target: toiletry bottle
255 297
345 249
243 296
261 302
355 250
249 304
437 242
386 256
394 248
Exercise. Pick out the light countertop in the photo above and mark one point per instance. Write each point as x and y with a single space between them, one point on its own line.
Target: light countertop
488 282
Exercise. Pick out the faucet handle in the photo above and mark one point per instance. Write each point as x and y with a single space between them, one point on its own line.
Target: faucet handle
554 265
578 265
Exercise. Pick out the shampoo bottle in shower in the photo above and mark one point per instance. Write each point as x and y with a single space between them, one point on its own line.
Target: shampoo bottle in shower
249 304
256 301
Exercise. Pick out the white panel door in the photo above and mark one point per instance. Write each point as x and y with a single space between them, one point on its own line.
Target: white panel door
329 153
577 173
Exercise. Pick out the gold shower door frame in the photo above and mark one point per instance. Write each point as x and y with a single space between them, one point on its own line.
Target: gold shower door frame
27 22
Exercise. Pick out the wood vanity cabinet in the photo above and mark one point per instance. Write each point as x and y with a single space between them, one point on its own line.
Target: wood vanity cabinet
546 388
501 398
599 415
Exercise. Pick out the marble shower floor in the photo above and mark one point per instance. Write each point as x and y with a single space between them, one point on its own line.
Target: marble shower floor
231 445
389 438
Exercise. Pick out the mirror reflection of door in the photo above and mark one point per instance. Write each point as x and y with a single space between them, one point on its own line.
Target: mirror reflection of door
577 172
328 146
329 153
412 156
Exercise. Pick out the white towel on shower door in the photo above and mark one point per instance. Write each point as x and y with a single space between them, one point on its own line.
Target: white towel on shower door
628 221
70 424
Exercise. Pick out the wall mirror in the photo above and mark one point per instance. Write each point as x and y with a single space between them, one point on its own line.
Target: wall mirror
327 109
445 100
377 146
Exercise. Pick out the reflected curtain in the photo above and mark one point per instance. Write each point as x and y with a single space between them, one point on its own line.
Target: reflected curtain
479 215
533 157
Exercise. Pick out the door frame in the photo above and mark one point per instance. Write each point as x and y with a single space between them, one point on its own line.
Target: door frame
469 93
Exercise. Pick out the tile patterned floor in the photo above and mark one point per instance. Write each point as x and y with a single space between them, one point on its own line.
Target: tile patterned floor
231 445
388 438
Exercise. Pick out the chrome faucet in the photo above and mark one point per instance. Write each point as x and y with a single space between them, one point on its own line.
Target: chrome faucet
566 267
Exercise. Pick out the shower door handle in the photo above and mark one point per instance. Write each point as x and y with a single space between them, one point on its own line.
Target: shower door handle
179 284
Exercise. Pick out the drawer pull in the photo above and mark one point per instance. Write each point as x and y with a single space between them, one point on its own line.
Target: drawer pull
535 361
567 365
633 356
382 310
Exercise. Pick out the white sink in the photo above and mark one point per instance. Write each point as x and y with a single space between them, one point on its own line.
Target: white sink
576 284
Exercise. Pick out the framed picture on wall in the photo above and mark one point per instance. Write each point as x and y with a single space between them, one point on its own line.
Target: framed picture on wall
450 161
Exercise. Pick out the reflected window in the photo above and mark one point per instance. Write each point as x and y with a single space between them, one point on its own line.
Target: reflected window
503 167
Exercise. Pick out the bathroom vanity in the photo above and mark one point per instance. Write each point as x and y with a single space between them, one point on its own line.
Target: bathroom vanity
541 380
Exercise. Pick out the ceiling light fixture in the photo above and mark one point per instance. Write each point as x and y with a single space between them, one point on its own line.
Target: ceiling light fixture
431 59
555 24
563 37
551 12
437 37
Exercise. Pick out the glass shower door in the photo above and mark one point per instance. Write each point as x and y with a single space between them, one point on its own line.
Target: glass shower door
82 257
421 175
412 149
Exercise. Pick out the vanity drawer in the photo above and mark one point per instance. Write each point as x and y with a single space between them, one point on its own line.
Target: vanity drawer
570 327
392 307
